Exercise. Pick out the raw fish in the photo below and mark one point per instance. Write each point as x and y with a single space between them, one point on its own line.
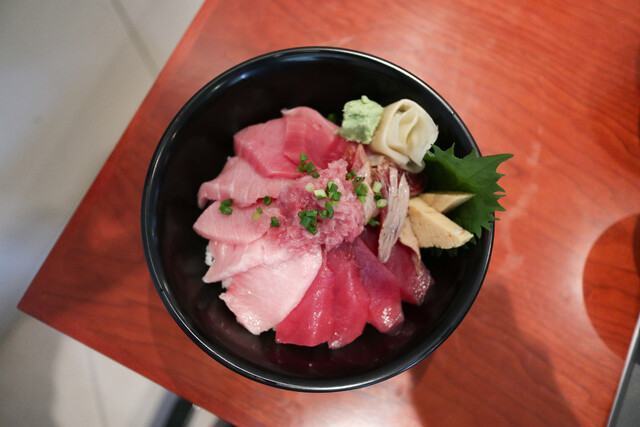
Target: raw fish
346 223
385 306
262 145
239 228
263 296
306 131
230 259
312 285
240 181
311 322
350 299
413 277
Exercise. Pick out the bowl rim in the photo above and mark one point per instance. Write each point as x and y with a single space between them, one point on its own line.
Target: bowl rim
150 195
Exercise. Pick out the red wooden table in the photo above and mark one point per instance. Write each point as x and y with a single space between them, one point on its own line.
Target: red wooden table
557 83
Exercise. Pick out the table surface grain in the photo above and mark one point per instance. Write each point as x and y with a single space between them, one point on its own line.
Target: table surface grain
556 83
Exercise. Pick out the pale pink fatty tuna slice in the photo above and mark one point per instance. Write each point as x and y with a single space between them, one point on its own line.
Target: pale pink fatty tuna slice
263 296
350 299
306 131
262 146
310 323
230 259
239 228
385 306
240 181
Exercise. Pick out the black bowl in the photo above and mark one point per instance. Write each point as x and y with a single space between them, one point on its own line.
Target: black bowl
194 149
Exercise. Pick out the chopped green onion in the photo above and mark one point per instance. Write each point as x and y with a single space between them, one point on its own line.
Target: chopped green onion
329 209
309 220
381 203
310 187
315 175
266 200
305 221
363 199
225 207
377 186
320 194
350 174
309 167
259 209
333 202
373 222
303 158
332 190
377 196
310 213
362 190
358 179
275 222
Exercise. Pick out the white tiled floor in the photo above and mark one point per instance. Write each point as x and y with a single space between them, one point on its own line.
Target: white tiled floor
72 74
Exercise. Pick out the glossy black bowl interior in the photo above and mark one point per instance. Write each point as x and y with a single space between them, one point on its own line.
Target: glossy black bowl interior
194 149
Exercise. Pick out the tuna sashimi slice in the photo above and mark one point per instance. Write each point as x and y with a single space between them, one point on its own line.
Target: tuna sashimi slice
239 181
262 145
310 323
263 296
306 131
239 228
413 277
230 259
350 299
370 237
385 305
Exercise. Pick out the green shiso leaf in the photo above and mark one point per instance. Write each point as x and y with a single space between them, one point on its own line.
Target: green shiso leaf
471 174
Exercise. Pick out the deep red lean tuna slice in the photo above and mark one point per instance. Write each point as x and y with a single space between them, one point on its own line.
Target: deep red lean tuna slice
350 299
306 131
230 259
310 323
263 296
370 237
262 145
385 305
238 228
239 181
413 277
